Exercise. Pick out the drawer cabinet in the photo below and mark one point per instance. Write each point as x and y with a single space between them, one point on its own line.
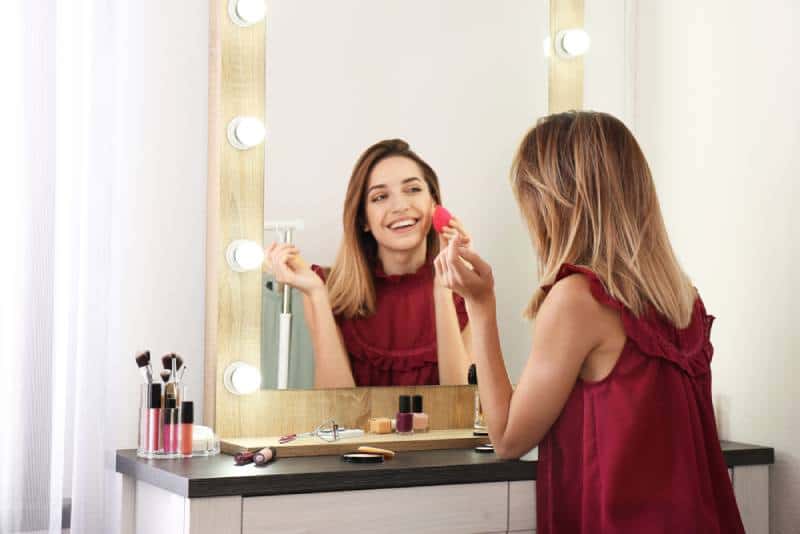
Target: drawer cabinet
427 509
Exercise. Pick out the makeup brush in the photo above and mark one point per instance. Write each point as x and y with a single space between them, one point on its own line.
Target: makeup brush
165 376
166 360
180 374
143 361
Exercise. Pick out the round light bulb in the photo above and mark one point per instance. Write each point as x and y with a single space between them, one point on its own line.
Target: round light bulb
242 378
247 12
246 132
244 255
572 43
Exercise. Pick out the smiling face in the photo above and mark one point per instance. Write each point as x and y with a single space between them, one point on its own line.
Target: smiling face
398 205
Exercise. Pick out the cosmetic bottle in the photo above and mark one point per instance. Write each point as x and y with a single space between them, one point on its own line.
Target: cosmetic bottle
169 430
479 422
380 425
154 420
421 422
404 417
186 427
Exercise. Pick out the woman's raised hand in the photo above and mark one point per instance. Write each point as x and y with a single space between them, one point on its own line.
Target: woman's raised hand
475 284
284 262
454 229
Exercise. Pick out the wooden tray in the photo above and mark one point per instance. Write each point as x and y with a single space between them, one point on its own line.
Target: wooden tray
456 438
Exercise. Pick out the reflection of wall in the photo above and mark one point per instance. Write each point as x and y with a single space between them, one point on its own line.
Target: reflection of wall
717 115
461 80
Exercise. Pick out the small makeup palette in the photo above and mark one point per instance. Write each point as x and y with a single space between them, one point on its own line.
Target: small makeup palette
363 458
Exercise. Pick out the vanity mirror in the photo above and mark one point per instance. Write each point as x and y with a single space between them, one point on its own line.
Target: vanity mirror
460 81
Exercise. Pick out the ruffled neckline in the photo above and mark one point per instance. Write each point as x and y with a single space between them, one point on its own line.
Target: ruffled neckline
424 272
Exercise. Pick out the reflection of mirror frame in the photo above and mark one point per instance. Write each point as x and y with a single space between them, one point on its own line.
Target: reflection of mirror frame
236 211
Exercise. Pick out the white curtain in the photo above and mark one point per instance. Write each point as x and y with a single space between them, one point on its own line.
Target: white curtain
58 186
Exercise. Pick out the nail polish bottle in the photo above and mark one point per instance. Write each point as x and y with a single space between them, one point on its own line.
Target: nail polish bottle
479 422
405 419
421 421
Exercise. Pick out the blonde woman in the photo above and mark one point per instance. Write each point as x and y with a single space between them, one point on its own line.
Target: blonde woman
616 392
380 316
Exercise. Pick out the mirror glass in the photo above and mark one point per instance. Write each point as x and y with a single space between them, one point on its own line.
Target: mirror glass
460 81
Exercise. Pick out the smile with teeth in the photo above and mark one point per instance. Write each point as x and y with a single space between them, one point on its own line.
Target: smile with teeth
403 224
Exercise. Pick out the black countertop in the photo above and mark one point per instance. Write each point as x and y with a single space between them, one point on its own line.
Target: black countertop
218 476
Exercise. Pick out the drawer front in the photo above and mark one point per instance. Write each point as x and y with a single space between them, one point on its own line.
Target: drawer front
522 505
422 509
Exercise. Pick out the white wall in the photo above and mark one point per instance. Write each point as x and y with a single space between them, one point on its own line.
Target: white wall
159 211
717 114
461 80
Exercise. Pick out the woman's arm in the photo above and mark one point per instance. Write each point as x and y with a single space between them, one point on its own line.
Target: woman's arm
564 336
453 344
331 363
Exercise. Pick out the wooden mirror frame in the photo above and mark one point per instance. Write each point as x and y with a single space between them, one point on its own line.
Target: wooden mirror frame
236 211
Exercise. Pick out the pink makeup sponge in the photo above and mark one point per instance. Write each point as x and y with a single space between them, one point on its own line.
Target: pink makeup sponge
440 218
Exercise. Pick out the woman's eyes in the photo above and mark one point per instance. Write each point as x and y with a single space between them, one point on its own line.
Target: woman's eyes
382 196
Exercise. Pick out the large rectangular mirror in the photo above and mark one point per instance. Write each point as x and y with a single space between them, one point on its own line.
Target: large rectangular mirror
460 81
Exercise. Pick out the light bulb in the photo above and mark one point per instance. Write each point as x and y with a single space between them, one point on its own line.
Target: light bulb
247 12
242 378
246 132
572 43
244 255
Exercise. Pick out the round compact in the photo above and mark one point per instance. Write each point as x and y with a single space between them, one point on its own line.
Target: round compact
485 448
362 458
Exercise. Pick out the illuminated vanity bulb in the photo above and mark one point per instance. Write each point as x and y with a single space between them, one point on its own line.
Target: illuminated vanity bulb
246 132
572 43
242 378
247 12
244 255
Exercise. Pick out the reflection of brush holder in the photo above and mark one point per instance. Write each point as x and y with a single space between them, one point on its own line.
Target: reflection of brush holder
160 435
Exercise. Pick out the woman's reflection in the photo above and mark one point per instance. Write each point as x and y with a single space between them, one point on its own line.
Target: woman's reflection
380 316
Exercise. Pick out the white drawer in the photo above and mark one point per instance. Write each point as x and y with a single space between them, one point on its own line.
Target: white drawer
522 505
423 509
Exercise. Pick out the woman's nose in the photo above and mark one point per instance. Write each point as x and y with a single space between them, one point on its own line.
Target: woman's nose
399 203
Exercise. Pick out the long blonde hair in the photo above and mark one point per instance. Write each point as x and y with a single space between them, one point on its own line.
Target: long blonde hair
585 190
351 285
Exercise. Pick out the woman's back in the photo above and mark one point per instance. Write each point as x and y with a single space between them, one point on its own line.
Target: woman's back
638 451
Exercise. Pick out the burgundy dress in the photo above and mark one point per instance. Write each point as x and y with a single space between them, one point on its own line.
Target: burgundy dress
638 451
397 345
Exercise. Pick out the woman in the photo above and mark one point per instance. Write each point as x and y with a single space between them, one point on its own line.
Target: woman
616 392
380 317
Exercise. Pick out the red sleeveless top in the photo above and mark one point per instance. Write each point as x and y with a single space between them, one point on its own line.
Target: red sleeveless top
638 451
397 345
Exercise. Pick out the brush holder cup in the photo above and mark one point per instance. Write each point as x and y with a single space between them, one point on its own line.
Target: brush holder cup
163 427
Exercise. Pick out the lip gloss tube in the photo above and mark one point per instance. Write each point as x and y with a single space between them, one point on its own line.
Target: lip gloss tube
170 428
154 419
186 428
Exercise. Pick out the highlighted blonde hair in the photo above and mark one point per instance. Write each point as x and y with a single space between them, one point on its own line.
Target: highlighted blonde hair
586 192
351 284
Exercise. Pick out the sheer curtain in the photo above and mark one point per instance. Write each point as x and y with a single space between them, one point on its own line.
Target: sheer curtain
56 200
